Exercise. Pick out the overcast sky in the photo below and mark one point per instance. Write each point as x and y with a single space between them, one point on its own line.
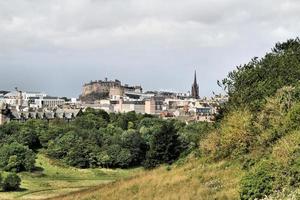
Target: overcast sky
56 45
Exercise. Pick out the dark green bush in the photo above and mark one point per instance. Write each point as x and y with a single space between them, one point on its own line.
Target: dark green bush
258 182
11 182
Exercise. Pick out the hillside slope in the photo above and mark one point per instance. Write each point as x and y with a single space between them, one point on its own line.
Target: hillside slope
190 180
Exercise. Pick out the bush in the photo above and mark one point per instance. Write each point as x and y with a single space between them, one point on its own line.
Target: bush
293 117
259 182
11 182
233 139
284 149
236 135
210 146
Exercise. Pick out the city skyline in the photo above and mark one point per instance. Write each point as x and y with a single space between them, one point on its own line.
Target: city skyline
58 46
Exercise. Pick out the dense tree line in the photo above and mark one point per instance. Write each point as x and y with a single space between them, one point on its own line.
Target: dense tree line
98 139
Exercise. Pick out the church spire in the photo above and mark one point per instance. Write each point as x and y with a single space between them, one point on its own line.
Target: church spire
195 88
195 78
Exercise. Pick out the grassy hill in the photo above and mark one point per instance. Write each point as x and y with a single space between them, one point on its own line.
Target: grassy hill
254 151
188 179
52 178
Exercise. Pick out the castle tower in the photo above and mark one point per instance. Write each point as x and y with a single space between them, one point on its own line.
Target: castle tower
195 88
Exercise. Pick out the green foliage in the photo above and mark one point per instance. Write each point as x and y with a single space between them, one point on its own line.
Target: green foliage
11 182
116 156
16 157
133 141
52 132
233 139
293 118
259 182
98 139
1 179
192 134
28 137
99 113
90 121
260 122
124 140
164 145
251 83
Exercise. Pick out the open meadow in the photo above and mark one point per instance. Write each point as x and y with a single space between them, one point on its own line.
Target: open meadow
52 179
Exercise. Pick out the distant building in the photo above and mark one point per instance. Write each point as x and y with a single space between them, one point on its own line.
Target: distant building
195 88
106 89
153 106
128 106
49 102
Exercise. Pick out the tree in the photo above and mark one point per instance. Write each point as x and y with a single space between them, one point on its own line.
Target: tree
133 141
90 121
250 84
99 113
28 137
115 156
164 145
16 157
191 134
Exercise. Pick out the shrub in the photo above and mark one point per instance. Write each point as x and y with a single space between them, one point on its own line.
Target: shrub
11 182
284 149
234 137
293 117
210 147
259 182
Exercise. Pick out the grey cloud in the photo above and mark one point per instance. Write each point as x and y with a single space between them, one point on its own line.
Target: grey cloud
77 40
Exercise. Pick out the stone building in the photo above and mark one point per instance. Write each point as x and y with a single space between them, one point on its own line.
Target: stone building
153 106
106 88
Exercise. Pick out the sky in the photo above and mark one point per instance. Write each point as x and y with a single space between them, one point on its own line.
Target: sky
56 46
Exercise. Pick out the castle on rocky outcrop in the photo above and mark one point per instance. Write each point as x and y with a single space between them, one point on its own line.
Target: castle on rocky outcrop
103 89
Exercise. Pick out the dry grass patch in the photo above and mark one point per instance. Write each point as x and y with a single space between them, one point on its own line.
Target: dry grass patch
193 180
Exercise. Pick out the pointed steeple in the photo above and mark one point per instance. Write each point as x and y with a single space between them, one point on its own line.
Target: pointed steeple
195 88
195 78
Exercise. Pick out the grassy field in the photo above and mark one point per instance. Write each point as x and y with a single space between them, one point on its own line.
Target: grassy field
188 181
53 179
